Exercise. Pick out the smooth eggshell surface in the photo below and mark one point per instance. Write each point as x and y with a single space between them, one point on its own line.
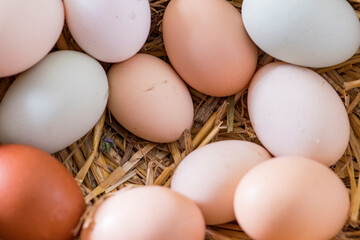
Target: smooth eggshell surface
29 29
210 174
148 212
39 198
54 103
111 30
304 32
291 198
294 111
208 46
149 99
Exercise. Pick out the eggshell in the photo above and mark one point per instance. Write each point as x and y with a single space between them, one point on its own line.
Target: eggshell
112 30
29 29
149 99
303 32
291 198
210 174
55 103
208 46
147 212
39 198
294 111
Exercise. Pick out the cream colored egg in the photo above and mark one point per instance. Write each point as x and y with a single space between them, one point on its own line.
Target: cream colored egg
149 99
29 30
210 174
294 111
54 103
146 213
291 198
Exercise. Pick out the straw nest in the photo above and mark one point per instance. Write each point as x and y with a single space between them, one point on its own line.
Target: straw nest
109 158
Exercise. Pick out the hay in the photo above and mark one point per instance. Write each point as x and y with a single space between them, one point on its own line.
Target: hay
110 158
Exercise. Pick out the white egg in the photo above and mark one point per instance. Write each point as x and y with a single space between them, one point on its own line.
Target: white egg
54 103
312 33
295 112
111 30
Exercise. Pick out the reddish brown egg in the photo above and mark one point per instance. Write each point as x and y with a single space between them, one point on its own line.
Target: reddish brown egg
39 198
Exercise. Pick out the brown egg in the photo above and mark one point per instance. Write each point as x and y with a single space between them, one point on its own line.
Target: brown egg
149 99
208 46
39 198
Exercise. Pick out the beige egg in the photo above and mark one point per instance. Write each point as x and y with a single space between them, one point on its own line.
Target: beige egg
210 174
149 99
208 46
29 30
294 111
291 198
146 213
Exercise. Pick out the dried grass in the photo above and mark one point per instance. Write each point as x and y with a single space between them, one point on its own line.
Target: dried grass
110 158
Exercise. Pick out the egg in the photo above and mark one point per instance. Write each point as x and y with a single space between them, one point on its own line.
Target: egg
209 176
110 31
29 30
147 212
149 99
291 198
303 32
208 46
54 103
294 111
39 198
